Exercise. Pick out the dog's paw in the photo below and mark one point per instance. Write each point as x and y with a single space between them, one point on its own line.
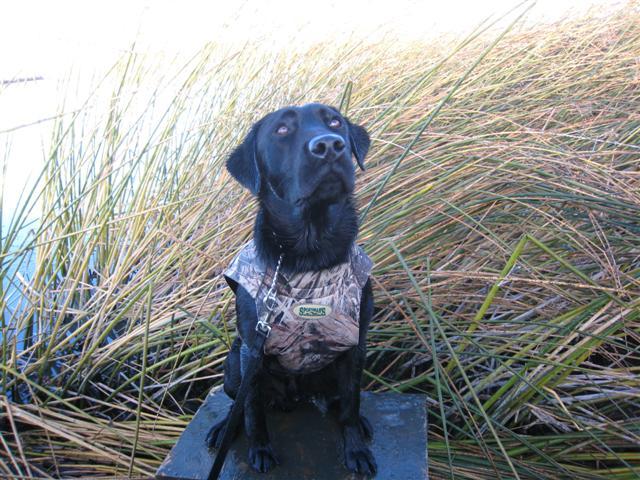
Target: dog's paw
360 460
365 428
214 437
262 459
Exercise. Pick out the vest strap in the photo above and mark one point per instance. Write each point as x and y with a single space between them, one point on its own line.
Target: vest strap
255 358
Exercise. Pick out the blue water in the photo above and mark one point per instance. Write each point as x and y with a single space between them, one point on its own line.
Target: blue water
25 133
13 285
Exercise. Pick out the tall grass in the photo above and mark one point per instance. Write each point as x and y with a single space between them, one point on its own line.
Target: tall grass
501 206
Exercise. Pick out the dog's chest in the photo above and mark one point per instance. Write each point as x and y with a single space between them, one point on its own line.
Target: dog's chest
314 316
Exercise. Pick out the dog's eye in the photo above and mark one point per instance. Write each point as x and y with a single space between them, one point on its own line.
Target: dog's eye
335 123
282 130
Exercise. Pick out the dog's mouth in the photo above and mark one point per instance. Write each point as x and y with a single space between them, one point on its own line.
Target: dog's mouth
332 178
330 187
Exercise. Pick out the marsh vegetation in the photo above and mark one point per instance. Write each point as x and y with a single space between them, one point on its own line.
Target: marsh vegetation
501 206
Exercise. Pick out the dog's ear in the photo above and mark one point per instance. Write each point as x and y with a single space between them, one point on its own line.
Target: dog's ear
359 139
243 162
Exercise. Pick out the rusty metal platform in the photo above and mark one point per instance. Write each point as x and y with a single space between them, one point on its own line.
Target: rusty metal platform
308 444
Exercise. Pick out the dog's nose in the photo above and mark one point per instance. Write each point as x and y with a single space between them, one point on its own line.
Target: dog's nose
321 145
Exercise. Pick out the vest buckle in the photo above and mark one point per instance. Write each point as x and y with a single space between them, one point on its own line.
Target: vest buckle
263 327
270 301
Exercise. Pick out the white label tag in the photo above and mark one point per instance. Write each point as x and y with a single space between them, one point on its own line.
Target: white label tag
310 310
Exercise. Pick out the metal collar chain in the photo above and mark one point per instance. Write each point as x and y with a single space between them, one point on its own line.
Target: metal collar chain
269 301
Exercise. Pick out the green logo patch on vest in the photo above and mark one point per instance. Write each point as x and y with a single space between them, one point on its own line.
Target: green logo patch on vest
312 311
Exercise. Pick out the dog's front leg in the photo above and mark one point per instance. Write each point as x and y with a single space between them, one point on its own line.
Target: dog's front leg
355 428
261 456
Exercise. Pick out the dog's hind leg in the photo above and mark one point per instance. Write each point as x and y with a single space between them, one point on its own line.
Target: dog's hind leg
214 437
232 378
365 428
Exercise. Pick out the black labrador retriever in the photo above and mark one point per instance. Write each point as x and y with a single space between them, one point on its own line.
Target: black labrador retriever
297 161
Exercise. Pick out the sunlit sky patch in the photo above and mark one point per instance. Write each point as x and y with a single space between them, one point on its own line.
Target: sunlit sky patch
46 39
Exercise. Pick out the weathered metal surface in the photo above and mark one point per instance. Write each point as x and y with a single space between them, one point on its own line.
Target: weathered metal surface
308 443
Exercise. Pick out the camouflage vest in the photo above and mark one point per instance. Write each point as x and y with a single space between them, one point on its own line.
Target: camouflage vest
316 314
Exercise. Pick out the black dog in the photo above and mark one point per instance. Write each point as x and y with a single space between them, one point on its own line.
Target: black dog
297 161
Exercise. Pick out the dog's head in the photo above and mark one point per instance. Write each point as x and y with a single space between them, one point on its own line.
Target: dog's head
301 154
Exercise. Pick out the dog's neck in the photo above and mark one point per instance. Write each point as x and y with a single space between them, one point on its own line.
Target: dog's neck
309 237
